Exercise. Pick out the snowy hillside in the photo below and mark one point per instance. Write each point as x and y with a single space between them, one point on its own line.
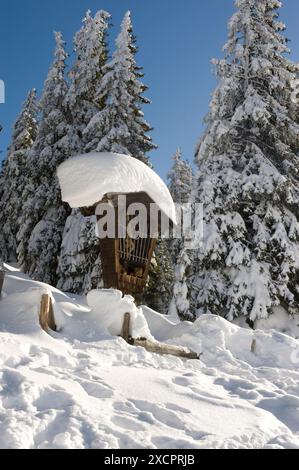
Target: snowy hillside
83 388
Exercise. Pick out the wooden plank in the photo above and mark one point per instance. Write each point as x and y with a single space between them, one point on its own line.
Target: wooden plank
164 349
46 315
126 327
2 275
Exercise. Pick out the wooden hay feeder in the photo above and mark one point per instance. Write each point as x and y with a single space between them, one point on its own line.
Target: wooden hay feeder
126 261
90 179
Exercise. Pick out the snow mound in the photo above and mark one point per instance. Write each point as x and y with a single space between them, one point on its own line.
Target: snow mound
108 309
82 388
86 179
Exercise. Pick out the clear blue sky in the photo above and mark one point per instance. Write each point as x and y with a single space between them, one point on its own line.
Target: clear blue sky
176 38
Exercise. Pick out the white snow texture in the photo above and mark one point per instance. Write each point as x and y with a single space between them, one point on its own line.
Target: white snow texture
86 179
80 387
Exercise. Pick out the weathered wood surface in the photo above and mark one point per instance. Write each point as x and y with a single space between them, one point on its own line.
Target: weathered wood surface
2 275
126 327
155 346
164 349
46 315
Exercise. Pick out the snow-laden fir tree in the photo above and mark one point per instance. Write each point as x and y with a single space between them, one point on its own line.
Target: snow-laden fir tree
43 214
79 264
248 174
180 305
120 126
14 176
180 180
90 44
119 98
158 292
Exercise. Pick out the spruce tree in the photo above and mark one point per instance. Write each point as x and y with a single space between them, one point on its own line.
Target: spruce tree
158 292
248 174
180 180
120 126
79 265
14 176
180 305
86 75
44 214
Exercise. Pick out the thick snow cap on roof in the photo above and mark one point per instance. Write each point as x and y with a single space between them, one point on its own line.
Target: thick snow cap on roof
86 179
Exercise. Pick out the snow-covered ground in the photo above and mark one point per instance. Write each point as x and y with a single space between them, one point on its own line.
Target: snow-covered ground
83 388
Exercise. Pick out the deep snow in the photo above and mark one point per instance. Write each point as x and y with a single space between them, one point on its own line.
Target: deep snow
86 179
83 388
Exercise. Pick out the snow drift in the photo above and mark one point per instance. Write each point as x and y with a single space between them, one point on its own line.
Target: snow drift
80 387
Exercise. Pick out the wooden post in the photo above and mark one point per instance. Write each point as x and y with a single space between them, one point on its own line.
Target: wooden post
253 346
2 275
126 327
46 316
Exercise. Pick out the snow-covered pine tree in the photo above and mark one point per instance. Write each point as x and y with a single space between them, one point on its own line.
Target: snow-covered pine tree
79 264
43 214
86 75
14 176
180 303
248 174
120 126
158 292
180 180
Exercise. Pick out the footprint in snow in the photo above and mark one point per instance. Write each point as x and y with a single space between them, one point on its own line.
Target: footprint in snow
96 390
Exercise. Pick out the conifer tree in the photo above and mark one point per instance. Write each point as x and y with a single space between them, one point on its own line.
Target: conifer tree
14 176
120 126
180 180
158 292
180 305
79 264
43 213
248 174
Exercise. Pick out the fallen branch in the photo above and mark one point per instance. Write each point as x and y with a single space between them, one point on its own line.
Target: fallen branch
155 346
46 315
164 349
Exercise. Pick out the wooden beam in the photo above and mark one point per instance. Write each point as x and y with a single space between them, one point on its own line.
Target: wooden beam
46 315
164 349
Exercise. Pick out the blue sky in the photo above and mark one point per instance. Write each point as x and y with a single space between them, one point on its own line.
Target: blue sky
176 38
